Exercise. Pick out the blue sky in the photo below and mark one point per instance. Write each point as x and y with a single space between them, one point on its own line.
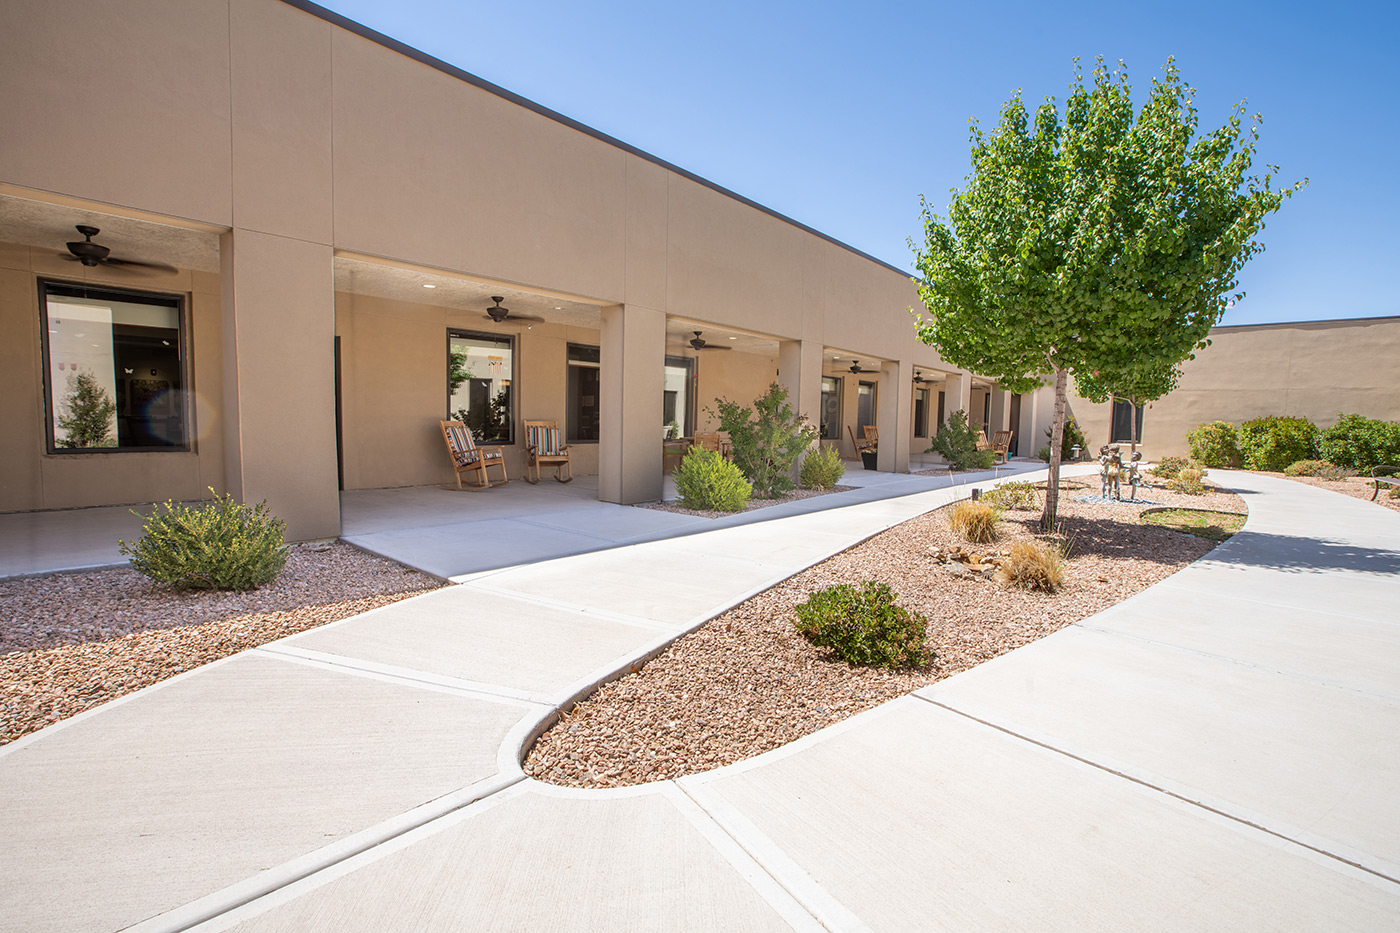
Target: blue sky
840 115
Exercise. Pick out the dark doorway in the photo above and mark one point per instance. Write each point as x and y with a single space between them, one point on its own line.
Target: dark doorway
1015 424
339 447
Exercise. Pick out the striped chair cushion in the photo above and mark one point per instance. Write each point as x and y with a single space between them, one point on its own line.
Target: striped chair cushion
464 449
545 441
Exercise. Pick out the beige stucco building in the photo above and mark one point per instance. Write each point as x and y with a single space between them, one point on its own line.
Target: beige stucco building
329 216
1308 369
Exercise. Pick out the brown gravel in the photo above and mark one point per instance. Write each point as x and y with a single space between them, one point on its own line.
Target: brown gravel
674 505
1358 487
746 682
69 642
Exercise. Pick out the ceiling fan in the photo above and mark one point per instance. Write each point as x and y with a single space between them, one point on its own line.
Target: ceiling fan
697 343
855 368
94 254
919 378
500 315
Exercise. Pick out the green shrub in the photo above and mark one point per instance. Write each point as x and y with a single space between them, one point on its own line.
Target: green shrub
1360 443
1319 468
1215 444
1188 480
1169 467
1274 442
864 626
1072 436
1015 495
957 441
707 481
766 440
975 521
1043 453
822 469
218 545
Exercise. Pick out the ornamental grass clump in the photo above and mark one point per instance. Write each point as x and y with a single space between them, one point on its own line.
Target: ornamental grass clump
709 483
975 521
219 545
864 626
822 469
1034 565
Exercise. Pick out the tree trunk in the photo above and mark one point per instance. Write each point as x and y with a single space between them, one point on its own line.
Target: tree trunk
1132 428
1057 436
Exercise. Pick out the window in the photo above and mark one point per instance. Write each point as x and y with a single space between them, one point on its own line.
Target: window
1123 422
678 400
921 412
865 405
114 365
831 408
480 372
584 388
942 400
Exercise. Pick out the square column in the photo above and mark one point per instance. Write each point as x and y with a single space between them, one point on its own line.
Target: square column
958 396
1001 410
800 373
278 411
633 363
896 405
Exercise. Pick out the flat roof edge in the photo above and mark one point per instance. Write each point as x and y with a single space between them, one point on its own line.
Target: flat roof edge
1334 320
364 32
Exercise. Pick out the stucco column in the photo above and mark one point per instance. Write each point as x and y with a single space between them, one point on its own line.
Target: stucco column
1031 417
958 389
896 404
800 373
1000 410
632 362
279 379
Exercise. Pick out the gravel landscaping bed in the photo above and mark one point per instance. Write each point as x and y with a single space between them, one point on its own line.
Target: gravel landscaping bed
1358 487
674 505
71 641
746 682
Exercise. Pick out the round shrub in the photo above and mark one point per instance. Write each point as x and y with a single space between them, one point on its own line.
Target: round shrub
1169 467
822 469
1215 444
1274 442
1319 468
1015 495
710 483
864 626
220 545
1360 443
975 521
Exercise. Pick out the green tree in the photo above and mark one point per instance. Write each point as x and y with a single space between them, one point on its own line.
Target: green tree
458 371
767 439
1136 386
1102 240
88 422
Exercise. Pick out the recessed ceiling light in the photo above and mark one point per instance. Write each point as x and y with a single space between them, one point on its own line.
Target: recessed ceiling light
733 338
425 285
558 308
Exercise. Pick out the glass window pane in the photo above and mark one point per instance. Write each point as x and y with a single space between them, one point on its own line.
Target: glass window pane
831 408
921 412
677 401
480 373
584 388
865 406
115 369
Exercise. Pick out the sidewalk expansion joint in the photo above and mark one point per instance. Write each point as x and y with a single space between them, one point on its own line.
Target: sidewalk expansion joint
1225 814
619 617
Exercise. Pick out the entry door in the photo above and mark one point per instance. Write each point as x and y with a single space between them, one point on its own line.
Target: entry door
865 406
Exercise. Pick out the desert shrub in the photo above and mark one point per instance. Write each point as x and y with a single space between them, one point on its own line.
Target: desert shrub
1188 480
1319 468
707 481
1169 467
1215 444
1274 442
1043 453
822 469
219 545
975 521
1014 495
1360 443
956 442
864 626
1073 436
766 439
1034 565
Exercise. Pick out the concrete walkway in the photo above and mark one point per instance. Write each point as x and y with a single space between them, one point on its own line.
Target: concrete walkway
1218 752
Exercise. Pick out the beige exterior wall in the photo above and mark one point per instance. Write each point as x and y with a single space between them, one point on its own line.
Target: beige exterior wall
300 139
1312 370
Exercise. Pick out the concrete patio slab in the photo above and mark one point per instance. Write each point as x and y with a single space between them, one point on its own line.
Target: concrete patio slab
538 861
1311 762
65 539
912 817
462 632
203 781
470 547
615 523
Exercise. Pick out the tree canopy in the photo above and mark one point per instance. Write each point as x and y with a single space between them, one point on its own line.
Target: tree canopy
1095 240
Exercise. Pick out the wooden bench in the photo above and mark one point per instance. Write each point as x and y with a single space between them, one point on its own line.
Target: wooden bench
1378 480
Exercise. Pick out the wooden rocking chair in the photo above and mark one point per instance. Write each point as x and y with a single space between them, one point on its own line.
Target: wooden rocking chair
866 444
1001 444
544 445
469 458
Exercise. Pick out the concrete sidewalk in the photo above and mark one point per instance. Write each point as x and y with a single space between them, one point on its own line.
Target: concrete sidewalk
1218 752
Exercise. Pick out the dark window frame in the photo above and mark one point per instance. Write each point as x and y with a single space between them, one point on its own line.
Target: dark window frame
692 382
177 300
1114 419
570 364
515 368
